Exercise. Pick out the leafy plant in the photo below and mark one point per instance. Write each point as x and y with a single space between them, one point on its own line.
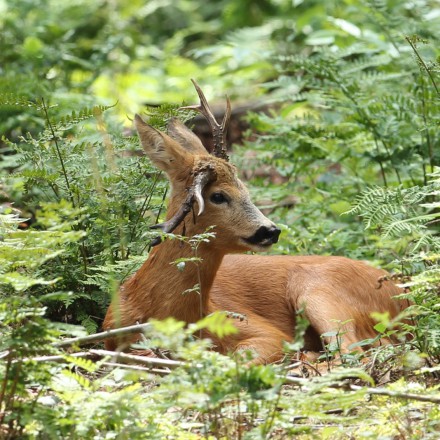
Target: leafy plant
113 197
352 95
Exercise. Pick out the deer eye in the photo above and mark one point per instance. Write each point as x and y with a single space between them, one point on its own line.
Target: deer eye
218 198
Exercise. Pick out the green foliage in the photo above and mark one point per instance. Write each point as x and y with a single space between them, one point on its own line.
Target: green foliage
218 397
354 95
410 216
358 104
25 332
112 195
396 212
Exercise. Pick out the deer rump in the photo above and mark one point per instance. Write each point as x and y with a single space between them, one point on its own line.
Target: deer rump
335 294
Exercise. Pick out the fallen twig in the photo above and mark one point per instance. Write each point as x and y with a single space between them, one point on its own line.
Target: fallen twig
59 358
138 359
136 368
378 391
98 354
130 358
103 335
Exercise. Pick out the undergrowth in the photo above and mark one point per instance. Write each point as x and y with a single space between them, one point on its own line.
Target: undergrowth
353 137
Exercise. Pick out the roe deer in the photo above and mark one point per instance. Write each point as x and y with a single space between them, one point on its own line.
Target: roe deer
268 290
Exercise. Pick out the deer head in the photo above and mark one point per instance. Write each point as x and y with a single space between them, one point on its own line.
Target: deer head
206 183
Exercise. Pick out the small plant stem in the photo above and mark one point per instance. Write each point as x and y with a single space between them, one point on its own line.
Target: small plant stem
147 201
60 157
428 136
339 346
82 247
157 216
269 424
3 389
55 191
199 280
144 207
238 401
83 251
162 204
423 64
209 412
10 402
382 170
368 122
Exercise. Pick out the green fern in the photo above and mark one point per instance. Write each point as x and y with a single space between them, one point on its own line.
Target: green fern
66 122
393 210
12 100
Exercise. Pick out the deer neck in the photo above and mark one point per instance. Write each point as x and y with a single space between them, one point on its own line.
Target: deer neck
164 288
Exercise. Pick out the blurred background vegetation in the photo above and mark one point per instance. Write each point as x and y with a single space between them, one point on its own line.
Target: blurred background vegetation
337 136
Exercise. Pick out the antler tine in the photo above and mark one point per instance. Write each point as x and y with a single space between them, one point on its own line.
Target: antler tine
202 177
219 131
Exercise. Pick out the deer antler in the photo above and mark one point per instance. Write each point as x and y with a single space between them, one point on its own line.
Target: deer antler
219 131
201 179
204 175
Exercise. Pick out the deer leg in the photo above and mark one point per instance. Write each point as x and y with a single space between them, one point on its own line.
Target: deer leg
258 336
336 322
263 350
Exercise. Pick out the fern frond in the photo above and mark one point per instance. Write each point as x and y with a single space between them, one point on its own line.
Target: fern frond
85 364
391 207
78 378
68 121
13 100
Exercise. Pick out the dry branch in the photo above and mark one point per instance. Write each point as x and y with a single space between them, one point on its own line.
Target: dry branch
378 391
115 355
171 364
129 358
136 368
123 356
103 335
60 358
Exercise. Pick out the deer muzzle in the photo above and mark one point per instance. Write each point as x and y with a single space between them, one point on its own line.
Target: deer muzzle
265 236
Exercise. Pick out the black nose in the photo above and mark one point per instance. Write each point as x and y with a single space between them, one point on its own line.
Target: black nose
265 236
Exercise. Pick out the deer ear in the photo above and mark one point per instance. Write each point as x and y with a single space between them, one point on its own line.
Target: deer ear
182 134
163 151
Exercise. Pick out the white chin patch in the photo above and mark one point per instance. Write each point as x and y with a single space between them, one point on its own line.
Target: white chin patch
257 247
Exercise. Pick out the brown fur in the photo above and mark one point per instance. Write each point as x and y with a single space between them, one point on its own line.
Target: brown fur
269 290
